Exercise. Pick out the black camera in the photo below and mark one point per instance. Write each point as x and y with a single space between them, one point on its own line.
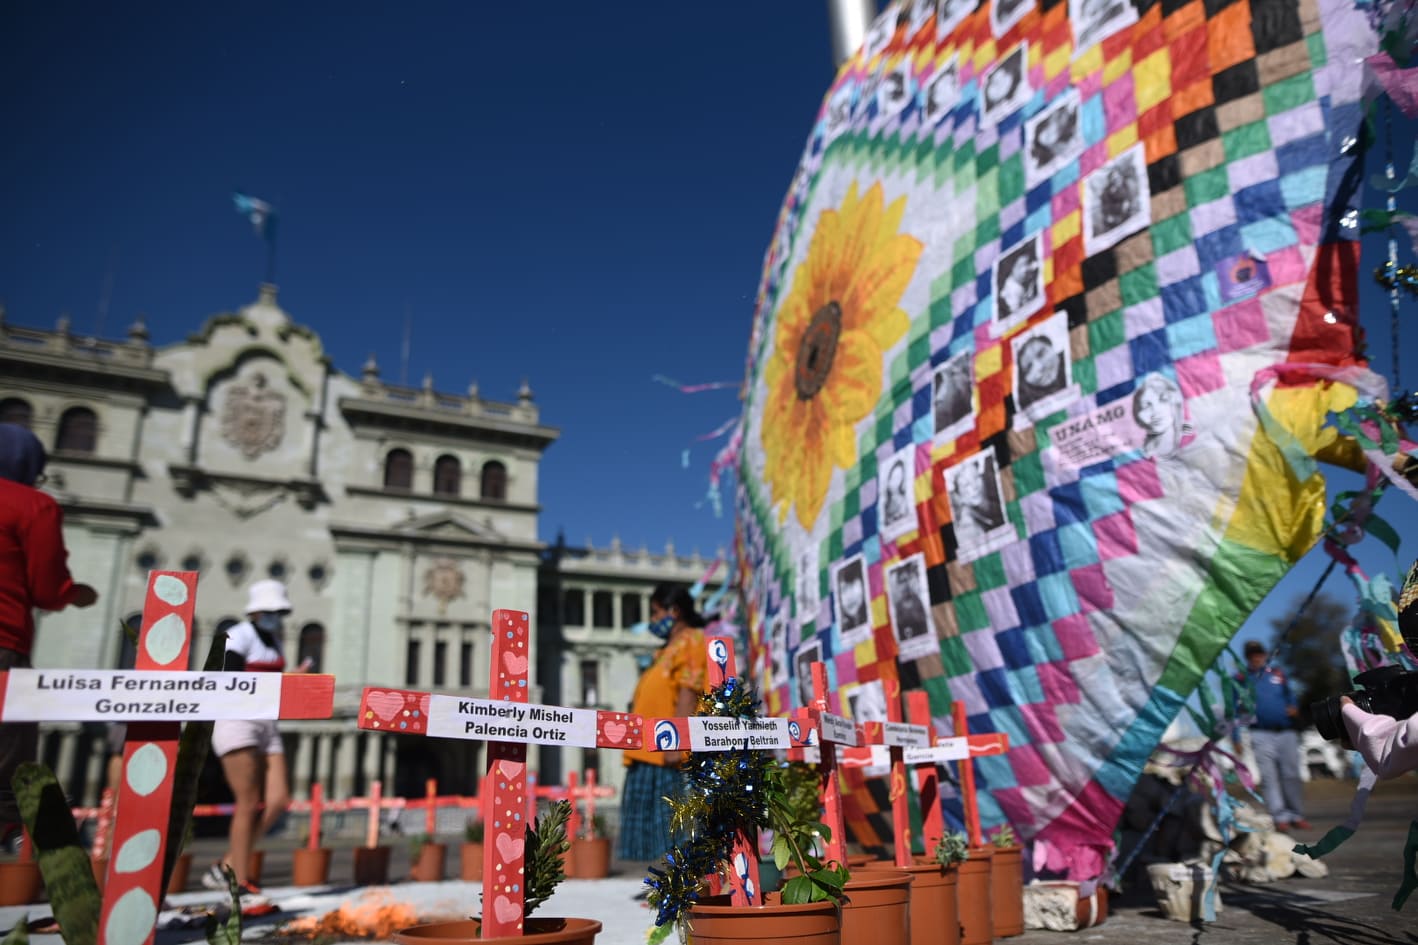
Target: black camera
1388 690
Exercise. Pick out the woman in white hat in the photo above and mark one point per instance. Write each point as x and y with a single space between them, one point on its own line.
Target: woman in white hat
253 759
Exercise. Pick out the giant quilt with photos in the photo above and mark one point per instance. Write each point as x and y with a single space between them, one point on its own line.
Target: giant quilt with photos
1039 273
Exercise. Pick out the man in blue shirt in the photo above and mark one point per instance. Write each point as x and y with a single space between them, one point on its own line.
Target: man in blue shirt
1274 740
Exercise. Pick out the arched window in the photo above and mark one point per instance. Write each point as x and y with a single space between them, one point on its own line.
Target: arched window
494 480
15 410
312 646
573 607
629 609
399 470
78 431
602 609
447 476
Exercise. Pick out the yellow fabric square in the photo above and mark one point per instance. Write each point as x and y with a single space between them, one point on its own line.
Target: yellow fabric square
1088 63
990 361
1121 140
1115 69
984 56
1152 80
1056 61
1067 228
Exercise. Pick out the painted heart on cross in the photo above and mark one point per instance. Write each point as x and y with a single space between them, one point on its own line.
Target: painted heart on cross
507 910
515 663
385 705
614 732
510 769
509 848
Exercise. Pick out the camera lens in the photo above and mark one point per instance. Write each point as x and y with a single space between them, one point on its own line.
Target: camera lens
1328 717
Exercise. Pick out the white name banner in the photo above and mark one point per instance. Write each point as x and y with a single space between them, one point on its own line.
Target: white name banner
707 733
904 735
137 695
945 749
488 720
835 728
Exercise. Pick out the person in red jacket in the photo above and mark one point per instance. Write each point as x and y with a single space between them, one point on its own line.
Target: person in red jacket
33 574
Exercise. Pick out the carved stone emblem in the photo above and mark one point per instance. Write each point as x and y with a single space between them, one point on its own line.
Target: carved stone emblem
254 417
443 581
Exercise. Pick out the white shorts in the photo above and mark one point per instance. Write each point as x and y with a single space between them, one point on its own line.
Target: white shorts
229 735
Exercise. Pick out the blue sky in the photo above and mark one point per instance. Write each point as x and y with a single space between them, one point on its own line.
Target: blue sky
575 193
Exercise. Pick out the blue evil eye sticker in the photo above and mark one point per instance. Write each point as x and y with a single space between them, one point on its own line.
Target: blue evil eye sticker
666 736
719 653
795 731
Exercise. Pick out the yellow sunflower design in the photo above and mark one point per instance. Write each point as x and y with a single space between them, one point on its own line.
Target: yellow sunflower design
825 374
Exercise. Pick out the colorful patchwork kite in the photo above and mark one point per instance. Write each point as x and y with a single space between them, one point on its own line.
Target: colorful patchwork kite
1033 379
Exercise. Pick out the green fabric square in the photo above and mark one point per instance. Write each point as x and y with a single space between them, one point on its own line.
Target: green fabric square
938 691
954 657
987 196
1171 234
851 504
1288 93
1246 140
989 229
919 349
988 160
963 272
1106 332
1319 55
989 572
1206 186
1029 470
834 540
970 612
1011 180
1085 375
1139 285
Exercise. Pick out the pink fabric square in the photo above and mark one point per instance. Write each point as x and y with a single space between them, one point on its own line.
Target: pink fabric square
1240 326
1200 374
1065 203
846 665
1119 103
1029 769
1015 805
1287 265
1073 633
1091 585
1113 366
1059 686
1138 482
1091 85
1092 159
1116 536
1307 222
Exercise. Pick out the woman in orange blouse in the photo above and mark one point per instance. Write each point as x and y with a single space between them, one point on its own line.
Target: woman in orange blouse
669 688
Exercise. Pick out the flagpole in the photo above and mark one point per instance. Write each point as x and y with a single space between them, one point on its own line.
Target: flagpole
271 253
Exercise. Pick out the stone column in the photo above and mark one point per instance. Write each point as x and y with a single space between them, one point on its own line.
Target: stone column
304 763
345 762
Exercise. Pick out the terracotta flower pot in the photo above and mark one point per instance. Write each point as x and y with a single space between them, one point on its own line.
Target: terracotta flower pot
20 883
371 866
181 870
973 894
254 864
813 923
935 915
310 867
590 859
878 908
536 932
472 864
1007 891
428 865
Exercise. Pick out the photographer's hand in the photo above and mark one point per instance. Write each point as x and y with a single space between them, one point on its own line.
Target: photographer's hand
1389 747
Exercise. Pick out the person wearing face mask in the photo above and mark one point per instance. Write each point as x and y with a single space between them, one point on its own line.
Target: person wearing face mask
669 688
253 759
33 575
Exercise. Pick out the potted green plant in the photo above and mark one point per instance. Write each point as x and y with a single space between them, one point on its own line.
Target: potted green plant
472 851
427 858
1007 883
728 794
590 856
545 844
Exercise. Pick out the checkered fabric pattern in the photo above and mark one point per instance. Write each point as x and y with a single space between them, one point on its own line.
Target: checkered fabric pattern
1118 579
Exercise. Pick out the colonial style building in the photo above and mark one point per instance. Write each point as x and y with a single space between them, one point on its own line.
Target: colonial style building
398 517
